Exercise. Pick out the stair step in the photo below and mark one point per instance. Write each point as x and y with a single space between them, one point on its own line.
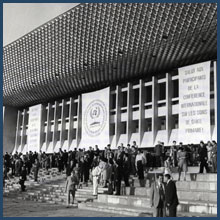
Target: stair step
141 201
131 211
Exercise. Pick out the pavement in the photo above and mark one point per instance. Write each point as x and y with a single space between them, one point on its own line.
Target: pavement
19 208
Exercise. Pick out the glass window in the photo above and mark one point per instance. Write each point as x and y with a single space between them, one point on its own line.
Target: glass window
113 101
175 119
148 124
148 94
74 133
175 88
123 127
162 91
135 126
162 123
124 99
112 129
75 108
136 97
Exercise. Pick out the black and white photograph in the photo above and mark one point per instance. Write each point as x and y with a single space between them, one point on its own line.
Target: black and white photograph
109 109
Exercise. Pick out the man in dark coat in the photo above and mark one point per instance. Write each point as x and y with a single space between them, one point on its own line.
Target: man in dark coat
118 173
171 199
126 170
65 159
203 155
23 178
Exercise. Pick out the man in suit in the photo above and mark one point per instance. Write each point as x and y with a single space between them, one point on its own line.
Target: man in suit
171 199
71 183
203 155
157 197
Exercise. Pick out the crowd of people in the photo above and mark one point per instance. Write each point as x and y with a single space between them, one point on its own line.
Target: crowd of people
114 165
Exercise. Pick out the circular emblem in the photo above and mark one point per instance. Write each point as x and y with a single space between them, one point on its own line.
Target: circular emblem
95 118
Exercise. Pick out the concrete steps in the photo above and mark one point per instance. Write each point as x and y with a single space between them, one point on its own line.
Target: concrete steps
201 207
131 211
197 196
183 193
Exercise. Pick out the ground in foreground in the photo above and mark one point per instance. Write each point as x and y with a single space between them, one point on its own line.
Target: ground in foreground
19 208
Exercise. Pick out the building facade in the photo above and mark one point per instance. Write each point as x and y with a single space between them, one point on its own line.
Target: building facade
134 49
144 110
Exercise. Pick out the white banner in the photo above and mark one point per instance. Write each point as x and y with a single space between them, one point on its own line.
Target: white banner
34 128
194 103
95 119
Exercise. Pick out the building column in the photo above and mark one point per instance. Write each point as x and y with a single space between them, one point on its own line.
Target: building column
215 98
154 107
129 112
79 121
141 111
168 106
55 130
23 131
118 114
63 123
48 131
70 129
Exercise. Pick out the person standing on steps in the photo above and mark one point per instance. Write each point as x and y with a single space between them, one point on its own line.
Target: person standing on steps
157 197
171 199
23 178
182 163
36 167
96 172
203 155
71 183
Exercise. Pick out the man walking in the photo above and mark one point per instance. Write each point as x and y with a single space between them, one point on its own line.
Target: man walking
171 199
157 197
71 183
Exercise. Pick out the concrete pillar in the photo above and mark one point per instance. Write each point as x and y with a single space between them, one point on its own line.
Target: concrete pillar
141 112
18 134
118 114
9 128
154 107
215 100
169 120
79 121
129 112
48 131
55 130
63 122
23 131
70 129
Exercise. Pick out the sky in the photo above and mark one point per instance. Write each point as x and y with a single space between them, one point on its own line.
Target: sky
21 18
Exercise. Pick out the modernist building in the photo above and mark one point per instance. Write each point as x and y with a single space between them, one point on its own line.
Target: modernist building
135 49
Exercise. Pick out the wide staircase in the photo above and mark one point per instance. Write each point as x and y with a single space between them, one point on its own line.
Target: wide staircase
50 188
197 195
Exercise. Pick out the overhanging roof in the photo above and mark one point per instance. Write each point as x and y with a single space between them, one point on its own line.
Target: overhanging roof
95 45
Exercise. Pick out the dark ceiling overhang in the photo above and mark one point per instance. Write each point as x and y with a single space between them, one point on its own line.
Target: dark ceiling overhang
96 45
